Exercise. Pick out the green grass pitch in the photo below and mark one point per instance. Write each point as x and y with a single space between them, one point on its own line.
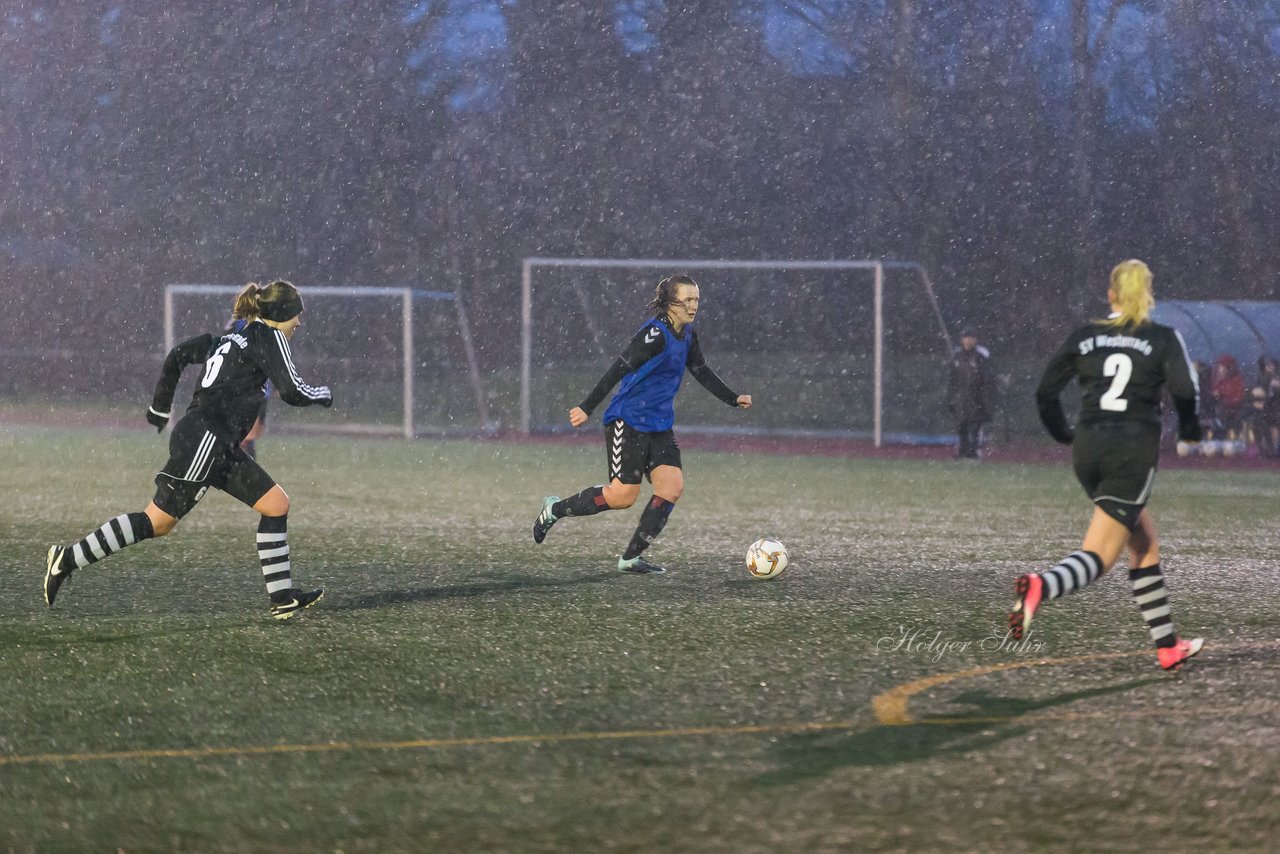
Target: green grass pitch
461 689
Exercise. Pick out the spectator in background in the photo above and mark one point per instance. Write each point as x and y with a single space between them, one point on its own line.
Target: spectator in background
970 393
1228 392
1264 415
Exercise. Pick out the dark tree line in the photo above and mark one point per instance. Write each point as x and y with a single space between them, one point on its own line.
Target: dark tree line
1018 148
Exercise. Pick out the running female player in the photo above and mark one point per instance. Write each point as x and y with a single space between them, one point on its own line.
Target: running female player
242 316
639 441
1122 363
204 448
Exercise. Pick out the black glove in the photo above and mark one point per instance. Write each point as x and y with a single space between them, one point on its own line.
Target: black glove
156 420
326 402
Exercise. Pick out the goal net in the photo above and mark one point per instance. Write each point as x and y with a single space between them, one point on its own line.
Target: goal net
850 349
399 360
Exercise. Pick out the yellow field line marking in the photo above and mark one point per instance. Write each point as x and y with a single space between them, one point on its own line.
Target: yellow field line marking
890 708
480 741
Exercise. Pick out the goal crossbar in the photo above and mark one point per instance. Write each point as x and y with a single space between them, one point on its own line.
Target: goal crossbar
876 266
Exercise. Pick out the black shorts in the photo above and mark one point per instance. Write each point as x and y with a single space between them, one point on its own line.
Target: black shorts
1116 465
199 459
631 455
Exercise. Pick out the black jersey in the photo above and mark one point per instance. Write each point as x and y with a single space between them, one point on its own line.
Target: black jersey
1121 374
236 367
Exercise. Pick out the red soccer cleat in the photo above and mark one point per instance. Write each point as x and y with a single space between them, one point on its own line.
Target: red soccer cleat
1173 657
1030 590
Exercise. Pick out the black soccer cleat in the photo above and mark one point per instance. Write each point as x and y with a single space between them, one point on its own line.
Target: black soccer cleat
298 600
639 566
545 519
54 574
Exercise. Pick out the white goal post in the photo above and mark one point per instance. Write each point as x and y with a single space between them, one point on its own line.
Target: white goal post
406 297
665 266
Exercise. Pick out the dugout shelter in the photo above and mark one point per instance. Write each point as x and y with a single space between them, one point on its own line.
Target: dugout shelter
1245 329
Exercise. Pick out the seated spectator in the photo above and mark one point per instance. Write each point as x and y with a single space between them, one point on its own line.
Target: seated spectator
1228 393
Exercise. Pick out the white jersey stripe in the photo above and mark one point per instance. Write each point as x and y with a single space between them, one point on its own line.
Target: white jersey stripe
1191 369
306 390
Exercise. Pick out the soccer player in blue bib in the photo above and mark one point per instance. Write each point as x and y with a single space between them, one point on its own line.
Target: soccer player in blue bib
639 441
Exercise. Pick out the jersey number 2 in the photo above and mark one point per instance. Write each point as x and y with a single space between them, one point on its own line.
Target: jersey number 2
214 364
1120 367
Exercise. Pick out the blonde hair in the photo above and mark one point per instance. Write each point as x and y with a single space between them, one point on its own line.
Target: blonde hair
1131 288
246 304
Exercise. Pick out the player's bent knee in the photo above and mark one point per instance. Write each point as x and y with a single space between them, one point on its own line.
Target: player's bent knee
670 487
671 492
274 503
161 522
621 496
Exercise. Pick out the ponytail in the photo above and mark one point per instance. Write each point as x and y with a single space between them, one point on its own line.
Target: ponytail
246 305
278 301
1131 288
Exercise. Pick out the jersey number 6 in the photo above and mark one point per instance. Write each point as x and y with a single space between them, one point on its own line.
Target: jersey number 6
1119 366
214 364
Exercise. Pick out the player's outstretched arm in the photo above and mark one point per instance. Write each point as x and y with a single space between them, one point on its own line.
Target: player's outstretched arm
278 363
1184 389
190 352
616 372
644 345
709 379
1061 369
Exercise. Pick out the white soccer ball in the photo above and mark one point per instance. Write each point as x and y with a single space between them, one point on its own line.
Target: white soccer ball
766 558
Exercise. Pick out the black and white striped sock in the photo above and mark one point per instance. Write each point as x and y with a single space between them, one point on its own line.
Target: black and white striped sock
273 554
124 530
1153 600
1074 572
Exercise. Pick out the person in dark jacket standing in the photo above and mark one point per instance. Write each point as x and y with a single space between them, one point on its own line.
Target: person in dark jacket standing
970 393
